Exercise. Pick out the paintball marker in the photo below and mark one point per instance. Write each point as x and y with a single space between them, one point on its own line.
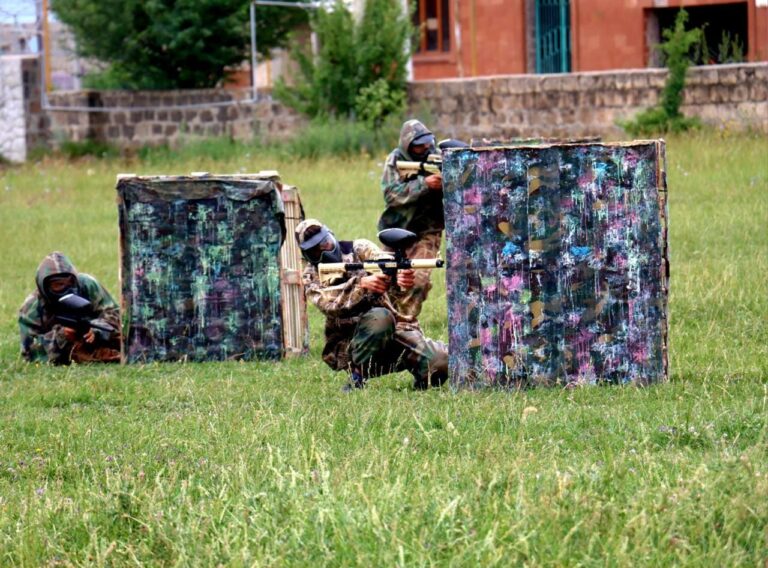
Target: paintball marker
433 164
396 239
73 312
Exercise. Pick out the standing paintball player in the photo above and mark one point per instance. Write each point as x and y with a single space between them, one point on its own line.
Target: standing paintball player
70 317
365 335
414 202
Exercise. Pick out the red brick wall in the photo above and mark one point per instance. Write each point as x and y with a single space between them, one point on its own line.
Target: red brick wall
489 36
610 34
758 30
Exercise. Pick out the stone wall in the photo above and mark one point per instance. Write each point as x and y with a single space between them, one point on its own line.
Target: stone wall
588 104
133 119
513 106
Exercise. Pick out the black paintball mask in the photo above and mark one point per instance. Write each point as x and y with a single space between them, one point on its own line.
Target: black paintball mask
321 247
57 286
427 139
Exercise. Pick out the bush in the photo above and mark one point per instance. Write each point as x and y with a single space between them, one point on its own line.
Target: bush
342 137
323 137
326 83
359 70
666 117
378 101
72 150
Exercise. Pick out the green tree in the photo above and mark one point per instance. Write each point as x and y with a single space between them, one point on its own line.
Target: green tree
359 69
326 82
666 116
167 44
382 37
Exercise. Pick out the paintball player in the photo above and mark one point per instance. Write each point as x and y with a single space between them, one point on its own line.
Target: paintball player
70 317
415 203
365 335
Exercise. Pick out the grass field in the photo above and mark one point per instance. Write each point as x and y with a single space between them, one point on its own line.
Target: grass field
244 464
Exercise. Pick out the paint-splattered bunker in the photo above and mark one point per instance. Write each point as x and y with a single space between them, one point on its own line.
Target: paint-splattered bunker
557 264
201 268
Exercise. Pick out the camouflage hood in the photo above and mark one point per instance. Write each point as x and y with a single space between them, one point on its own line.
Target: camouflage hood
54 263
411 130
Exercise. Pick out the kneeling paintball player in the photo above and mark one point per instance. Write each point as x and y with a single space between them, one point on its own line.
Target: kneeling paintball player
364 333
70 317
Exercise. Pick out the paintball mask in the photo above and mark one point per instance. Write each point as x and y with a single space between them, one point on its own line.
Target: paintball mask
321 247
427 140
57 286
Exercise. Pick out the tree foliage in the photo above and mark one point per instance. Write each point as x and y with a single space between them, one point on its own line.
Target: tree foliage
167 44
359 69
326 82
666 117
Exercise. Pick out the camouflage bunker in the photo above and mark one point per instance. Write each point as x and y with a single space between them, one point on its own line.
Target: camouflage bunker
206 270
557 264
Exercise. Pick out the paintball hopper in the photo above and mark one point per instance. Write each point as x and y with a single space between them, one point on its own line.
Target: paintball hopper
450 144
75 304
397 239
74 311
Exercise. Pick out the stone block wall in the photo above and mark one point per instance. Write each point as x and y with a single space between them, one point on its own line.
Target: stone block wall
500 107
133 119
588 104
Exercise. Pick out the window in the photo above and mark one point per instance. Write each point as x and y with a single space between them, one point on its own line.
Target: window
432 19
724 27
553 36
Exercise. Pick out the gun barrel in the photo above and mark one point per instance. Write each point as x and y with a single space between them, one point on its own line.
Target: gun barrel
418 263
325 269
406 167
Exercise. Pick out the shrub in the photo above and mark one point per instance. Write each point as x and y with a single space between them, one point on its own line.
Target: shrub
326 83
72 150
666 117
379 100
343 137
359 70
730 50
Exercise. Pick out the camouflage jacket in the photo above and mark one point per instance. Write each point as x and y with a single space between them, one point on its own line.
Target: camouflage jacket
409 203
42 340
343 301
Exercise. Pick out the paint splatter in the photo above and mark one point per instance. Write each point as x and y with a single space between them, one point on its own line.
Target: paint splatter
200 268
557 264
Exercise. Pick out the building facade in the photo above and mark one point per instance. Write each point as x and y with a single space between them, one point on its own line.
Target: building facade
67 68
470 38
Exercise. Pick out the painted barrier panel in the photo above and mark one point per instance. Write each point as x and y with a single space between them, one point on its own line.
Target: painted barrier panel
200 267
557 264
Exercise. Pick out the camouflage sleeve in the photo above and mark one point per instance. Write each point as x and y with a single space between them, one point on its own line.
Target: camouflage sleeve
366 250
397 189
39 345
107 310
342 298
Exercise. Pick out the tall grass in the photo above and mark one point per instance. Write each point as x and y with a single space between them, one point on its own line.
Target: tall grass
269 464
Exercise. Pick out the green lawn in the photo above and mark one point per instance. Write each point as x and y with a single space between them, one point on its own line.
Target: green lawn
245 464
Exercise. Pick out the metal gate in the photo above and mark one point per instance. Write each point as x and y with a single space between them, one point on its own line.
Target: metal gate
553 36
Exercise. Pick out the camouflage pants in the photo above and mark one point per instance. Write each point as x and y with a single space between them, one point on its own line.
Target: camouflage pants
409 303
379 347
